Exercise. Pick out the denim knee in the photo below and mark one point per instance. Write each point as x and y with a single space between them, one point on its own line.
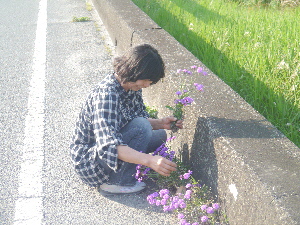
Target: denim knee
141 122
137 133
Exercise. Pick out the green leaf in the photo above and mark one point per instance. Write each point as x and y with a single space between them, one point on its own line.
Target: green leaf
169 107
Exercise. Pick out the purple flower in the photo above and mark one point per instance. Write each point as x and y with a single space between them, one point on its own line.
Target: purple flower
183 221
203 207
171 138
182 205
216 206
175 206
151 198
172 155
185 101
187 71
204 219
179 70
188 185
194 67
199 69
163 201
204 73
154 194
163 192
186 175
166 208
188 194
152 201
199 87
178 93
210 210
195 223
175 199
147 170
166 196
138 166
188 100
180 216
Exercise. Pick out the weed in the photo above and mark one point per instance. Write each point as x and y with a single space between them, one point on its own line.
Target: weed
80 19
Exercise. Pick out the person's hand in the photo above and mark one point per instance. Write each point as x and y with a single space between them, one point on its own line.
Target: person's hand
168 120
162 165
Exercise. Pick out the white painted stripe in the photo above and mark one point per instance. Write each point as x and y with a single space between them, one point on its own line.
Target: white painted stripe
233 190
29 205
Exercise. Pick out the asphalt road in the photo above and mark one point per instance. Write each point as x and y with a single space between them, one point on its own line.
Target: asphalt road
46 81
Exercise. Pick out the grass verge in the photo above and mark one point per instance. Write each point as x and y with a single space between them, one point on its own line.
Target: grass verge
255 50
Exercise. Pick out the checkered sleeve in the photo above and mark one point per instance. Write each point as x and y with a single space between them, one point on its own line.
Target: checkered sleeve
106 128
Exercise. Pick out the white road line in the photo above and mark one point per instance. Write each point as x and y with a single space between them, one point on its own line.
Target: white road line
29 205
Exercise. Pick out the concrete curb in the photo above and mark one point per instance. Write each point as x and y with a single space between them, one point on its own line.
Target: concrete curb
250 165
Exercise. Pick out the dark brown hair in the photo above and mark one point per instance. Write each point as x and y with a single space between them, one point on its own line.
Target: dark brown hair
140 63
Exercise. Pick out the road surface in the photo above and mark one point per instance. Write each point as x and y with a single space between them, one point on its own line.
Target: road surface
48 66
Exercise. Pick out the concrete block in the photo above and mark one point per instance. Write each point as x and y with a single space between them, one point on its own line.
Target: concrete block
251 166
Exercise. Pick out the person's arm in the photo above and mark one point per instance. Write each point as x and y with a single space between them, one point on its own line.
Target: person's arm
165 123
159 164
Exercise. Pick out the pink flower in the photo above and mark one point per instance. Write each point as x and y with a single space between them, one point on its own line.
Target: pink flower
171 138
188 185
166 196
204 73
203 207
163 192
163 201
166 208
216 206
183 221
187 175
204 219
199 69
199 87
210 210
180 216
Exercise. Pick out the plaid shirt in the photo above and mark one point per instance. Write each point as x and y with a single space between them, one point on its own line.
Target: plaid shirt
106 111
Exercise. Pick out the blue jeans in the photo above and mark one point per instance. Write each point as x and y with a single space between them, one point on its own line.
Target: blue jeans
137 134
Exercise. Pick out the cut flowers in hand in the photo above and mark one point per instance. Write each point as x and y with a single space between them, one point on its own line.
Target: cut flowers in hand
183 95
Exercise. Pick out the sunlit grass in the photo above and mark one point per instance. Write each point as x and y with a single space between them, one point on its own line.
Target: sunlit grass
255 50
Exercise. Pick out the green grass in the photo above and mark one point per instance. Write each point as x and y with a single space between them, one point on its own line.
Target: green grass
255 50
80 19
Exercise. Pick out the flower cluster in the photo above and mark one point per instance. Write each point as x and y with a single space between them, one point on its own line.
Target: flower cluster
182 203
186 175
142 172
194 68
170 203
